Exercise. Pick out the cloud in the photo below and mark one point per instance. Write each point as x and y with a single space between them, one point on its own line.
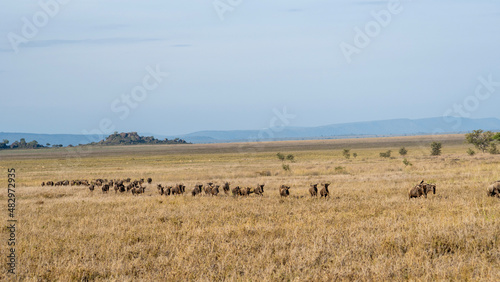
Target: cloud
55 42
181 45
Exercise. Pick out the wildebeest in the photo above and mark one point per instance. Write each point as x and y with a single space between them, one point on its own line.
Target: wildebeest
160 189
236 191
43 184
138 190
314 190
167 190
324 192
105 188
197 189
284 191
226 188
494 189
91 187
245 191
178 189
150 180
215 190
259 190
419 190
208 188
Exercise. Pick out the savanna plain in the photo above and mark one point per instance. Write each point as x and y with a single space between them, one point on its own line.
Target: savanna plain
368 229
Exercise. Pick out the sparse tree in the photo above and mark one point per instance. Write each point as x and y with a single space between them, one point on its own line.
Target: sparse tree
436 148
403 151
482 140
346 153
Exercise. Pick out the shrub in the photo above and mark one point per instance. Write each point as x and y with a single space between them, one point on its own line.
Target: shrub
346 153
355 155
291 158
471 152
403 151
436 148
407 163
386 154
285 167
280 156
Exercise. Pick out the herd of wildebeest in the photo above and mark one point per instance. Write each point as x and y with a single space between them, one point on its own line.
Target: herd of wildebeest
136 187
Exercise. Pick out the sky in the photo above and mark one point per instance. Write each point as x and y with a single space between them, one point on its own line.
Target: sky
175 67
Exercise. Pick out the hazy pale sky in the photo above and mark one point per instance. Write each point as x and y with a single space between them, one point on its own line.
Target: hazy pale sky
69 66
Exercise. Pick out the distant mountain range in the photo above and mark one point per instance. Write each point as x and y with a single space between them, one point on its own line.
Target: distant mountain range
393 127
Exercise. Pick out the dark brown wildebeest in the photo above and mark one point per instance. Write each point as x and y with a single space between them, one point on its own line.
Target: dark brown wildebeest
418 191
314 190
105 188
50 183
284 191
150 180
226 187
91 187
430 187
208 188
324 192
494 190
167 190
215 190
138 190
160 188
43 184
197 189
178 189
259 190
236 191
246 191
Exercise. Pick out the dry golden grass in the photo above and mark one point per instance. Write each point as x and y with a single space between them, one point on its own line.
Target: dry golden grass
367 230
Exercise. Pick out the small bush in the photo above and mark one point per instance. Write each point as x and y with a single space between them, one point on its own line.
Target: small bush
403 151
285 167
355 155
436 148
407 163
291 158
386 154
471 152
346 153
264 173
280 156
